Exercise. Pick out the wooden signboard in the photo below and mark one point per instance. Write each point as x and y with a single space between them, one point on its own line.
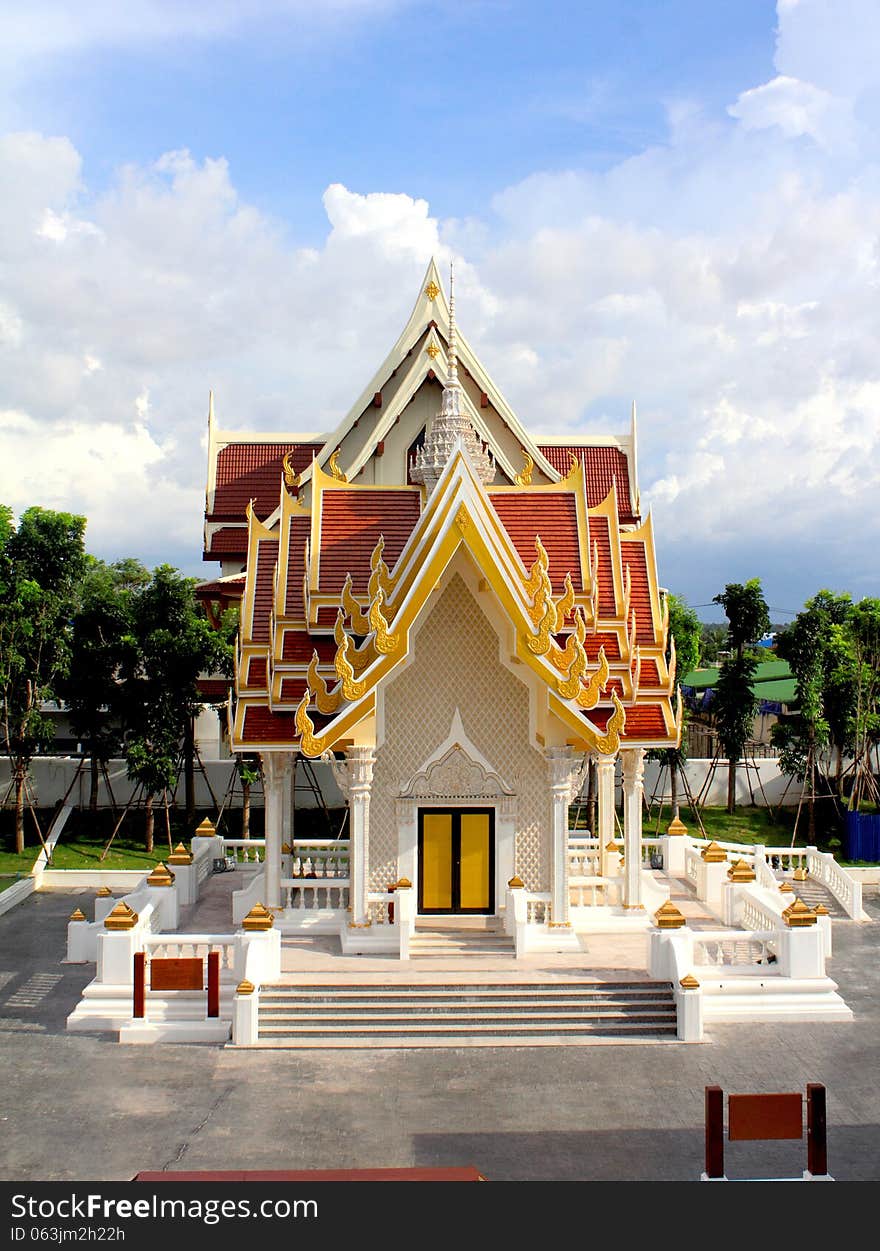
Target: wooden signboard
752 1117
177 974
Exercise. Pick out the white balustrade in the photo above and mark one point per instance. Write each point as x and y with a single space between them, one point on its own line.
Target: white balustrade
378 907
537 907
191 946
315 893
845 889
743 949
692 861
244 850
757 915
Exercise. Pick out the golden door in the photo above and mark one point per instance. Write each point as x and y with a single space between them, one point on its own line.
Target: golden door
456 860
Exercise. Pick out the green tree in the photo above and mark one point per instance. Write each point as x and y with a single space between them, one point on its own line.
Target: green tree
734 704
864 633
172 644
685 629
101 641
41 566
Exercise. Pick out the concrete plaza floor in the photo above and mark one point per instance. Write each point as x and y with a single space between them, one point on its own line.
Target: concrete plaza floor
83 1107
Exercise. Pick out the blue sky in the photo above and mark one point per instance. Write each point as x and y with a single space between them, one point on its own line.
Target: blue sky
674 202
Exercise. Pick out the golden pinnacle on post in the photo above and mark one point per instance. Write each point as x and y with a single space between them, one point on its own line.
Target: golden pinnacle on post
612 846
161 876
668 917
821 911
76 915
259 918
104 892
676 826
180 855
285 849
689 982
206 829
121 918
245 988
786 888
404 884
800 874
516 883
713 854
799 915
741 871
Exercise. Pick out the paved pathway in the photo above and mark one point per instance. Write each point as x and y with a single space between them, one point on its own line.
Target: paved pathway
83 1107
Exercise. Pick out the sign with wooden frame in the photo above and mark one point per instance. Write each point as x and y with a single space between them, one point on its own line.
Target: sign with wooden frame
177 973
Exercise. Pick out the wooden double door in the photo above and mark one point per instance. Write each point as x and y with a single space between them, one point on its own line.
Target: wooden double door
456 860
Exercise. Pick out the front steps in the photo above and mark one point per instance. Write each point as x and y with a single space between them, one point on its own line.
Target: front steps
492 1014
813 892
472 941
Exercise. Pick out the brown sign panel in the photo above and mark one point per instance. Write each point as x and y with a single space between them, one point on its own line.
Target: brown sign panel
178 974
765 1116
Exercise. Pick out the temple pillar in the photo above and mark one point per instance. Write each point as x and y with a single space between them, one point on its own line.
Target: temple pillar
276 784
359 762
605 800
633 760
560 768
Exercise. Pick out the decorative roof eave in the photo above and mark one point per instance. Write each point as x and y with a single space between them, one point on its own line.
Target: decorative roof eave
289 508
608 509
425 310
459 513
258 532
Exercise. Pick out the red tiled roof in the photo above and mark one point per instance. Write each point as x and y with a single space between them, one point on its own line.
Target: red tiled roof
599 534
633 554
263 726
229 541
593 642
351 522
256 673
221 588
213 688
601 466
267 555
253 471
299 533
299 644
649 673
643 721
552 515
292 690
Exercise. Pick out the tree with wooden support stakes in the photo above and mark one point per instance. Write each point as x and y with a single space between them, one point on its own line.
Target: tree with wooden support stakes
41 565
735 704
682 649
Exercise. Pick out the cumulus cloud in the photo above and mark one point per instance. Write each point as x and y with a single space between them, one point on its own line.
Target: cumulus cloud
728 279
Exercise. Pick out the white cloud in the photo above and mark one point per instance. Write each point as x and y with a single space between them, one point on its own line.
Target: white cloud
797 108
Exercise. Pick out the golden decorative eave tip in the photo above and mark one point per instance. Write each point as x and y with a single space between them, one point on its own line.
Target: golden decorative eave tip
245 988
104 892
689 982
180 855
77 915
207 829
161 876
516 883
799 915
676 827
668 917
713 854
259 918
121 918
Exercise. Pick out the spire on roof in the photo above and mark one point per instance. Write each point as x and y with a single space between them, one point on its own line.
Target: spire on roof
451 424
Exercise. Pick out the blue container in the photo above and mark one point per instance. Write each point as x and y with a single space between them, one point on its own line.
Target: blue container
862 836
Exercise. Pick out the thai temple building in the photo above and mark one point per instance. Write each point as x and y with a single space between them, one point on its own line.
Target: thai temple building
455 615
455 625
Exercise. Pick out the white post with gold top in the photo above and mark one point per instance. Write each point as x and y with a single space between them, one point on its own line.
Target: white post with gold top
560 767
276 781
359 761
633 760
605 799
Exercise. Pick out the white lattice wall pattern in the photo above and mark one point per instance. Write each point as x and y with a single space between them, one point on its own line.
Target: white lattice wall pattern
456 665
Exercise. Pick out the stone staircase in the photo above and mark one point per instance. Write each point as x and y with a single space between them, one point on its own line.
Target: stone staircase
814 892
439 941
490 1014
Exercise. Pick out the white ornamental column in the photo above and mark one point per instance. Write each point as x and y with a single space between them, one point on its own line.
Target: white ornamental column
276 781
633 760
359 761
560 768
605 800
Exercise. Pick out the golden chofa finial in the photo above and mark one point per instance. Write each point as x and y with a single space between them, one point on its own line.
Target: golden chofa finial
524 477
335 471
291 477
